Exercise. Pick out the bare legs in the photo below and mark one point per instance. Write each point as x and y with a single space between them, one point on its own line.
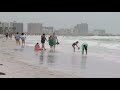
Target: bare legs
73 48
84 48
23 42
54 47
17 42
43 47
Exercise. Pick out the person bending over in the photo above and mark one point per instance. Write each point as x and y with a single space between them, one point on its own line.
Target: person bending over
75 44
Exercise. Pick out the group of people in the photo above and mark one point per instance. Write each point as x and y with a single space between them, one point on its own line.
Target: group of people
52 40
18 37
8 35
84 46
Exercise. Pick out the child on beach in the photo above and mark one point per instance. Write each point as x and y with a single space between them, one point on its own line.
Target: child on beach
17 38
84 47
23 37
75 44
37 47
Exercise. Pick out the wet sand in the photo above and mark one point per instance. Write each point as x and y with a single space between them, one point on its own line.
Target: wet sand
15 63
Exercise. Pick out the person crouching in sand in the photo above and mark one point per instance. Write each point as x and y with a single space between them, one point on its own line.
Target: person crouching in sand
75 44
37 47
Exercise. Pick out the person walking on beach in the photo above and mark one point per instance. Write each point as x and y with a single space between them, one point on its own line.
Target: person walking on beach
55 40
6 36
23 37
10 35
43 38
84 47
75 44
17 38
51 41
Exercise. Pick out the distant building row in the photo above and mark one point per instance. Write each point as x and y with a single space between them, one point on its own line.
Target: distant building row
79 29
11 27
32 28
38 28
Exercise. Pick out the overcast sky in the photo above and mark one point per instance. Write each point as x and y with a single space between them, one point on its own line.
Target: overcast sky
110 21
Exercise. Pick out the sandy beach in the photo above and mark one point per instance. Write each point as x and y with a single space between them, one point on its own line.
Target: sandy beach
13 66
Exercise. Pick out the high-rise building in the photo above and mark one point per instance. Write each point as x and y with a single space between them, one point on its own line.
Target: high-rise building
16 27
81 29
34 28
5 27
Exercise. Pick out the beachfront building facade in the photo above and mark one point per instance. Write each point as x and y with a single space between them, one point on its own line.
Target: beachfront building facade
98 32
5 27
81 29
47 30
15 27
63 31
34 28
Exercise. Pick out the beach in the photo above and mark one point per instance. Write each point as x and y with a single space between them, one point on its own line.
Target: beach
102 60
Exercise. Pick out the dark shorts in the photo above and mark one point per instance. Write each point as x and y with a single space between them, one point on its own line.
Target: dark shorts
23 40
17 39
43 41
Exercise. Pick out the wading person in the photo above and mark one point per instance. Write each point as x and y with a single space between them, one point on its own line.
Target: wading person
17 38
51 41
43 38
84 47
23 37
75 44
55 40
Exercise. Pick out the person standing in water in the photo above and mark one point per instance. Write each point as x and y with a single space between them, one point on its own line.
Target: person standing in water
43 38
10 35
75 44
6 36
51 41
84 47
17 38
55 40
23 37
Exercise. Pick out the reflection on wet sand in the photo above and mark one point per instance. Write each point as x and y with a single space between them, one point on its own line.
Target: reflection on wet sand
19 48
83 61
37 52
41 57
50 58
